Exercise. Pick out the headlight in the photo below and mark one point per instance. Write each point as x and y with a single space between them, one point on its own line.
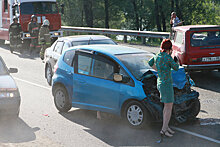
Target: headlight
9 93
28 35
56 34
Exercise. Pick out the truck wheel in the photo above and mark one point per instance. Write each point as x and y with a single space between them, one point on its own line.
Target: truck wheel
61 99
135 114
2 42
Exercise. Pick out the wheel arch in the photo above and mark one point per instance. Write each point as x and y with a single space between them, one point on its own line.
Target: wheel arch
123 106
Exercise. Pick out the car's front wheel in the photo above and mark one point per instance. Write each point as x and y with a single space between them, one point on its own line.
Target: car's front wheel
49 74
61 99
136 114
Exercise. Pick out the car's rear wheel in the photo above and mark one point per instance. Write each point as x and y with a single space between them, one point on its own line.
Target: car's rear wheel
49 74
136 114
61 99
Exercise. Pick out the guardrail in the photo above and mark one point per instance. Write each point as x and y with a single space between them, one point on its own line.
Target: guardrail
142 34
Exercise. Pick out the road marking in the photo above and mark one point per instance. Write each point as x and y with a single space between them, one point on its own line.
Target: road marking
197 135
33 83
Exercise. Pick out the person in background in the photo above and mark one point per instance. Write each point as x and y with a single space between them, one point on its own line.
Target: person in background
44 37
163 63
174 20
33 29
15 34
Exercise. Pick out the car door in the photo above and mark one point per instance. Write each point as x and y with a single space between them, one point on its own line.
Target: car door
93 83
56 53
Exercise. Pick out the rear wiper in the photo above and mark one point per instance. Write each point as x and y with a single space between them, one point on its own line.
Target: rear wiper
89 40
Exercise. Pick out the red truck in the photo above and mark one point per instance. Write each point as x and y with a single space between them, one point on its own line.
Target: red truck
23 9
197 47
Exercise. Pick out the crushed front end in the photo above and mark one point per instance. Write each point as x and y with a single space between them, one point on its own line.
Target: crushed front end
186 105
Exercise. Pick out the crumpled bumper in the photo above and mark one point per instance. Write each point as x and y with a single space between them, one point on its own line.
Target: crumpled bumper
181 109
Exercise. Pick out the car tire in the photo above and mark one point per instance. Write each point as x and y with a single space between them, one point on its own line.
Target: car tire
61 99
194 111
136 114
49 74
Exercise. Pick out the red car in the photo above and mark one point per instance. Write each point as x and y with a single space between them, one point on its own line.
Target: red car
197 47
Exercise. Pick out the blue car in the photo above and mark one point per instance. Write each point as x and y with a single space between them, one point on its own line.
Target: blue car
118 80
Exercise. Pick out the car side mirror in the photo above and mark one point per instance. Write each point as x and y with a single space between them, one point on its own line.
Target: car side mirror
13 70
120 78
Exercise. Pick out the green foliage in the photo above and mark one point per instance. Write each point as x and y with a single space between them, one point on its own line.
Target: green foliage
141 14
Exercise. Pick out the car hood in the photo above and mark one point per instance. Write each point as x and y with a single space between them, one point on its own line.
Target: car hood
179 77
6 81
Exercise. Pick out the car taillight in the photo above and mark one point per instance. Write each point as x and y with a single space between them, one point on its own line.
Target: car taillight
55 68
9 92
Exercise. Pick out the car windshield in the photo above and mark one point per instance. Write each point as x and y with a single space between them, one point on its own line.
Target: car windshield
136 63
3 70
39 8
205 38
87 42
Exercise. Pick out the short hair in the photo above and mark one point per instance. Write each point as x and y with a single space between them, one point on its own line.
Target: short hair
173 13
166 44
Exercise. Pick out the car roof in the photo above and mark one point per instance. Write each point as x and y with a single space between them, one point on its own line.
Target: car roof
111 49
83 38
196 27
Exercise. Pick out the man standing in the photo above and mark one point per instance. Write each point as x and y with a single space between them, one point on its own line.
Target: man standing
15 34
174 21
44 37
33 28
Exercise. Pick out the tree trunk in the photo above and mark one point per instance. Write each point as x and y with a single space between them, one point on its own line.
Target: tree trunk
172 5
106 13
178 11
136 14
157 15
163 19
87 5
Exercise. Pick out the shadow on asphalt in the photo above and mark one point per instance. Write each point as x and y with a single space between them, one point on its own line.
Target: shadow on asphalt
15 130
113 130
207 80
25 54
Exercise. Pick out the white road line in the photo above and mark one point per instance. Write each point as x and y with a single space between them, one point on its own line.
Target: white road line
197 135
32 83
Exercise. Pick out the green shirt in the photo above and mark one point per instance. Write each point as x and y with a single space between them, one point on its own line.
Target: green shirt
164 63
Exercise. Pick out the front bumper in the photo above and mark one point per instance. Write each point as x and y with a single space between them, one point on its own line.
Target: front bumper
184 103
53 34
9 106
202 67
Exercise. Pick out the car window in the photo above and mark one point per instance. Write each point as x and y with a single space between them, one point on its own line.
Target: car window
65 46
68 57
103 68
58 47
84 64
103 41
205 38
179 37
3 70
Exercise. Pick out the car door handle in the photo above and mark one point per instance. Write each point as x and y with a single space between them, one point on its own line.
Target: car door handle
68 72
82 82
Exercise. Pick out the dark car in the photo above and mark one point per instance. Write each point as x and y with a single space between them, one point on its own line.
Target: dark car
197 47
53 53
118 80
9 93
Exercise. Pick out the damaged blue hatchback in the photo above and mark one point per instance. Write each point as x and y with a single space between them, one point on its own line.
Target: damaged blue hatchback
118 80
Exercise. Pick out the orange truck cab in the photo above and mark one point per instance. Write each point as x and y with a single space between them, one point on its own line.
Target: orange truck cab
23 9
197 47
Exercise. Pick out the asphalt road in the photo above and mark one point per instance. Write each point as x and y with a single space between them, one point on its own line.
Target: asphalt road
40 124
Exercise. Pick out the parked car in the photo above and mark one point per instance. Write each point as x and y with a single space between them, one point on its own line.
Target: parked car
118 80
9 93
197 47
53 53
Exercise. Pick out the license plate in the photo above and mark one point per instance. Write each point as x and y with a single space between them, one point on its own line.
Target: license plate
209 59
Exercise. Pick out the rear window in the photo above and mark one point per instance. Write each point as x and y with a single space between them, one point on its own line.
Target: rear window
205 38
88 42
